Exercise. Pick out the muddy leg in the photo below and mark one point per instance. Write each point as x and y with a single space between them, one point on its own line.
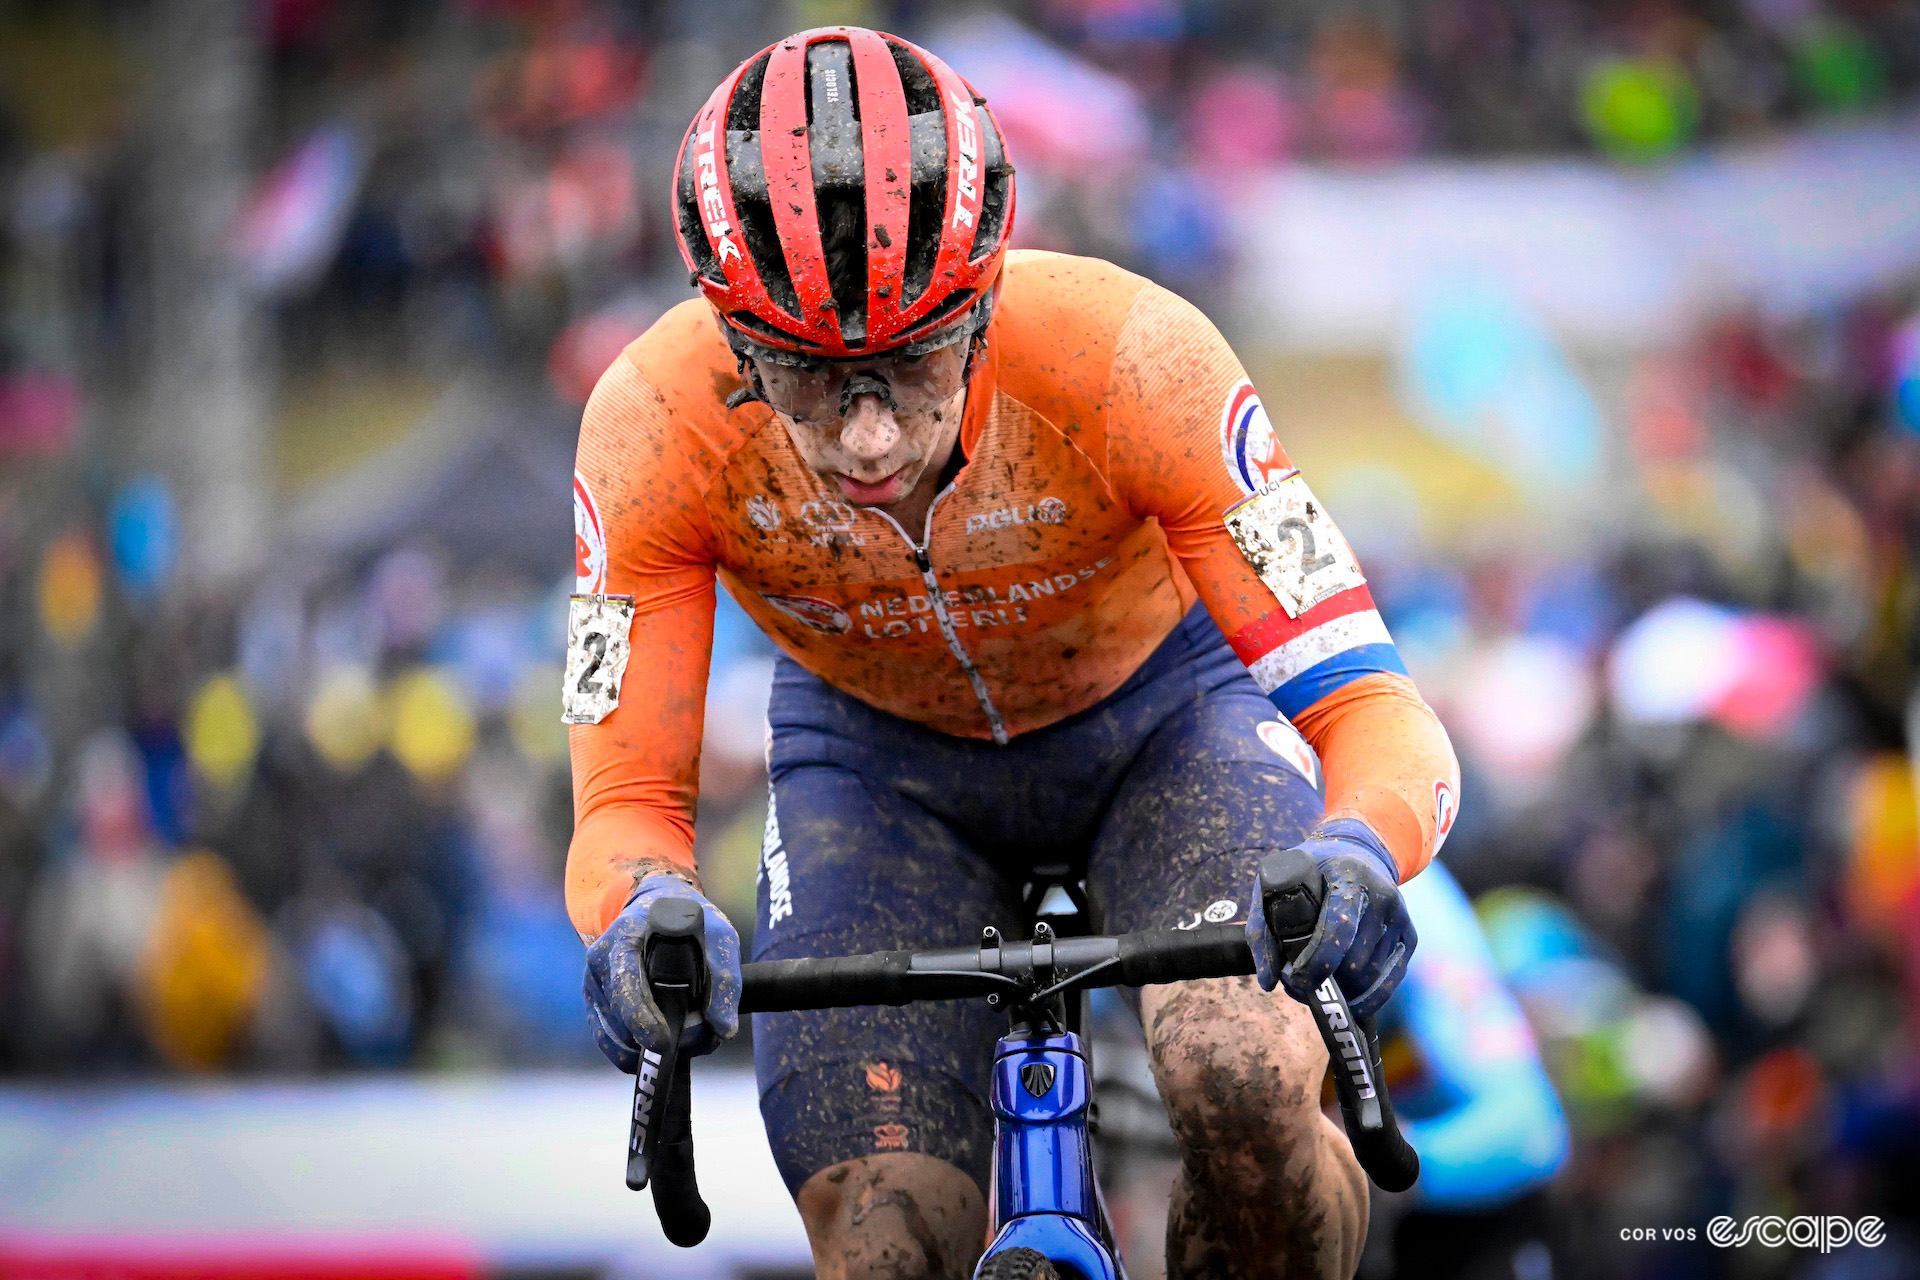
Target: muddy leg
900 1216
1268 1185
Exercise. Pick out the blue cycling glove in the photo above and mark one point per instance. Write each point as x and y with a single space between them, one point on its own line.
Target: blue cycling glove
1364 934
620 1006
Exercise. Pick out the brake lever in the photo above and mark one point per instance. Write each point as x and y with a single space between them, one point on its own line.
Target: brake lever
660 1140
1291 890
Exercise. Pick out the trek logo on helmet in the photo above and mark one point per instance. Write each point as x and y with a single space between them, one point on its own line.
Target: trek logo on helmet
711 205
968 145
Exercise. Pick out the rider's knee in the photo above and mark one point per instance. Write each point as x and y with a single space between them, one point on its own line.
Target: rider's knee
1264 1173
894 1217
1237 1067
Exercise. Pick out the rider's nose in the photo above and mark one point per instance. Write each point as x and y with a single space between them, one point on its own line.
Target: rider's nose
870 431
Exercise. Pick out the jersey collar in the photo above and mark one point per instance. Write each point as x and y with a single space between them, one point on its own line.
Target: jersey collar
980 391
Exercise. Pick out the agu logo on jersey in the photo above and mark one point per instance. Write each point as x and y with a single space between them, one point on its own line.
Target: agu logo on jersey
589 541
1444 809
1247 441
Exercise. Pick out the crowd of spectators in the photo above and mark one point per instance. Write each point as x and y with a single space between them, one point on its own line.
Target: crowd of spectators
1690 818
1361 83
324 831
317 821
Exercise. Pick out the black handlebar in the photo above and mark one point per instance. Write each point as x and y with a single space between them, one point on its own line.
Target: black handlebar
902 977
660 1150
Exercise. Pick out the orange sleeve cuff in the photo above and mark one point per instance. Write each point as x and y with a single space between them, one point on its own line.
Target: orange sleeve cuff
613 847
1388 762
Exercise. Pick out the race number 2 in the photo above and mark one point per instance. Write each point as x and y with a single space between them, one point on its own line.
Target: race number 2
597 652
1292 543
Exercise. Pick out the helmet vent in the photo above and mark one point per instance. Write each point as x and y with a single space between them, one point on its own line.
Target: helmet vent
997 185
927 197
762 235
831 92
751 205
743 110
693 231
926 209
922 93
751 323
948 308
843 237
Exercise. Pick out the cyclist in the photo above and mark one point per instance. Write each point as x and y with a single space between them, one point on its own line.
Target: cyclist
1046 587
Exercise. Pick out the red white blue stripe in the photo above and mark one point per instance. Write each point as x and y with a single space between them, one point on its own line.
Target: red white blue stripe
1298 661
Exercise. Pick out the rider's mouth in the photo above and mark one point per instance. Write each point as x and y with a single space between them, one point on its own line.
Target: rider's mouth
876 494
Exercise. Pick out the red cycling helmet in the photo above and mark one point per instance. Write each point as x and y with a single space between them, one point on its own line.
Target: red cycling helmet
844 193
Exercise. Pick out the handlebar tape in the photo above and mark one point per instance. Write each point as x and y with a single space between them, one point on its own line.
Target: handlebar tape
1183 955
1291 889
660 1144
684 1216
839 982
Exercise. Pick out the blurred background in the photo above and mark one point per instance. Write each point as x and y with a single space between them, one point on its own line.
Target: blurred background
1596 321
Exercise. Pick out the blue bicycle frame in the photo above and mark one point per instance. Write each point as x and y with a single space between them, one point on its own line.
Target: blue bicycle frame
1045 1196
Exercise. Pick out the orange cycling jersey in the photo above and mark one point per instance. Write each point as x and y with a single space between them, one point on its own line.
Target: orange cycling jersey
1118 466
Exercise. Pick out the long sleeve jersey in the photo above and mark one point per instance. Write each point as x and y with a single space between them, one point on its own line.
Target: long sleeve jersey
1119 466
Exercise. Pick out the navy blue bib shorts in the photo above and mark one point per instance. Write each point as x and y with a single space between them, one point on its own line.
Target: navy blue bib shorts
883 834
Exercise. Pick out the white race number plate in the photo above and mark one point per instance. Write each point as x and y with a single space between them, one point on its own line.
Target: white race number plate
1291 542
597 652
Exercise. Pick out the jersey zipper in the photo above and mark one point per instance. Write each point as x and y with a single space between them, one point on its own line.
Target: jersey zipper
941 616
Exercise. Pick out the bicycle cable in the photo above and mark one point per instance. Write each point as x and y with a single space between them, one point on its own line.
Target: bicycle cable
1069 982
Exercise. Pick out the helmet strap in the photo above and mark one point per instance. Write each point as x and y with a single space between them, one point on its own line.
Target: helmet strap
977 341
750 390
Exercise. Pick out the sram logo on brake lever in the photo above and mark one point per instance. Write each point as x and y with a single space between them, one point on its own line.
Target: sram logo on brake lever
645 1087
1349 1038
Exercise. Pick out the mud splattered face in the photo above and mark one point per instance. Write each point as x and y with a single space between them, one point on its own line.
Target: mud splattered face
868 439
